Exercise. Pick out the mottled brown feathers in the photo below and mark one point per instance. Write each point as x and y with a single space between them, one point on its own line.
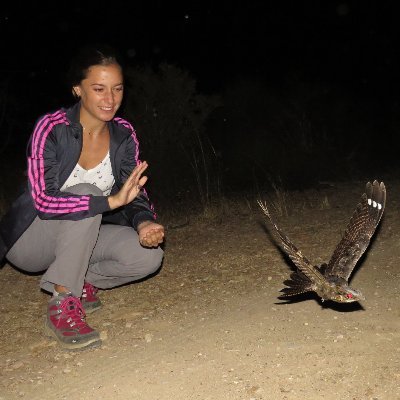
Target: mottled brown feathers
330 281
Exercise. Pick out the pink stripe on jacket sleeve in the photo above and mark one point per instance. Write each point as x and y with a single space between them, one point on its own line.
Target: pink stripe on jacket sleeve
127 125
133 135
36 172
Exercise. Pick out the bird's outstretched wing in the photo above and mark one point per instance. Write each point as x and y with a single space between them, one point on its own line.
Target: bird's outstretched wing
359 231
304 266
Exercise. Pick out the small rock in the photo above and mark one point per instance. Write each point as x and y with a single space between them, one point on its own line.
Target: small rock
17 365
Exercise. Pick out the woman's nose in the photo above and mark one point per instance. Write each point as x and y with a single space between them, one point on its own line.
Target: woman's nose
109 96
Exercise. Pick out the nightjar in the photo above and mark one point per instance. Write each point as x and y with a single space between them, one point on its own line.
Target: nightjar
330 281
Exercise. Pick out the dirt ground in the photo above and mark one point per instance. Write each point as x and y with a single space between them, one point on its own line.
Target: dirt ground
210 325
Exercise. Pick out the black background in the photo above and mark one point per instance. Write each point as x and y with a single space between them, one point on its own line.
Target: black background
353 43
348 44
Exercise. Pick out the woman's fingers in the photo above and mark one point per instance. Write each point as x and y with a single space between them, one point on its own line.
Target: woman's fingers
131 187
153 238
136 176
138 171
141 182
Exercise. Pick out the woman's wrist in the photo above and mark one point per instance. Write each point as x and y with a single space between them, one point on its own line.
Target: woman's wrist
112 202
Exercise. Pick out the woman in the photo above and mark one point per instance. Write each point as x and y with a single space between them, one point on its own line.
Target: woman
84 216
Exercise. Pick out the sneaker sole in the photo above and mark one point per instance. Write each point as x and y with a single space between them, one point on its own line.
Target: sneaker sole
90 344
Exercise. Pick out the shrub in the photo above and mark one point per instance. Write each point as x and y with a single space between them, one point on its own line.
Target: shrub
169 116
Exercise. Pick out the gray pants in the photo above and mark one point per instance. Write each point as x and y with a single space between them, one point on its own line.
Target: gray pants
72 252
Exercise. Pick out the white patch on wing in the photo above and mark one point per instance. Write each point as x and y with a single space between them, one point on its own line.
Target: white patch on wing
374 204
369 202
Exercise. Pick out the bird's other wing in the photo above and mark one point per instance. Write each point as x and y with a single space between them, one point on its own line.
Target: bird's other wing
359 231
294 254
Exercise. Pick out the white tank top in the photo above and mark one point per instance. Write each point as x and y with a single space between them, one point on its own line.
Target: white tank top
101 176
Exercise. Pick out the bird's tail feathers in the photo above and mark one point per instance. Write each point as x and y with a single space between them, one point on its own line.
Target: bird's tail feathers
297 284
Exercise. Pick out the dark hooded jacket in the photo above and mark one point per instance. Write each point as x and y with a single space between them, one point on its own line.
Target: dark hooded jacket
53 151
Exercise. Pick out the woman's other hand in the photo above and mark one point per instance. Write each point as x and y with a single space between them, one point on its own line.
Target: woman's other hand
150 233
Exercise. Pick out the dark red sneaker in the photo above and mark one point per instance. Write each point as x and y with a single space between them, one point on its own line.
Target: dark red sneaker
90 301
66 323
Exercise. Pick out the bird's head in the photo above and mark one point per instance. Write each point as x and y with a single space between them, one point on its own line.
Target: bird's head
345 294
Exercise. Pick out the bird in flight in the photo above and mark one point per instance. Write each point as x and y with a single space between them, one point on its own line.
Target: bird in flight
330 281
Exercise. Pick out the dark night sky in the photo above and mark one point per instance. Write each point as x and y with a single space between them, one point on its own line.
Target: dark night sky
352 44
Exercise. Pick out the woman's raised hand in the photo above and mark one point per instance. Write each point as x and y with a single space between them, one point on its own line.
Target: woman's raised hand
131 187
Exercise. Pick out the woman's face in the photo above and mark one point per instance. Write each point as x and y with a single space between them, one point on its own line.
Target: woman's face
101 92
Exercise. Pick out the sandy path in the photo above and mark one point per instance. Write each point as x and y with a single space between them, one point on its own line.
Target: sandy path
208 326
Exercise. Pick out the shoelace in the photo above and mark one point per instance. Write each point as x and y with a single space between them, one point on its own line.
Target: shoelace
71 307
89 290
